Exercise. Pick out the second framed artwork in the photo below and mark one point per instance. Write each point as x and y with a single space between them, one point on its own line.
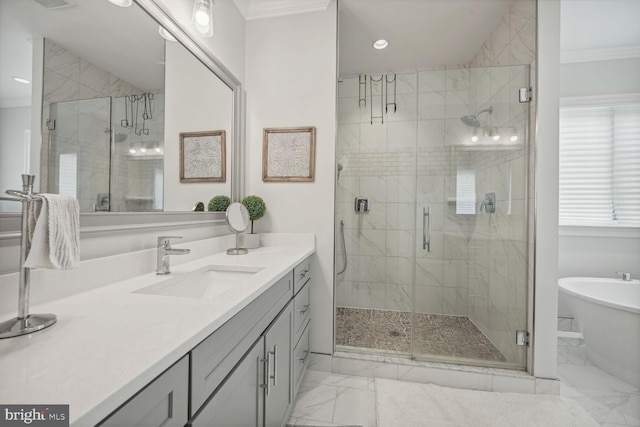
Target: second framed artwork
203 156
288 154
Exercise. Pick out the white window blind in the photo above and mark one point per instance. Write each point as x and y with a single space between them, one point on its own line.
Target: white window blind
600 165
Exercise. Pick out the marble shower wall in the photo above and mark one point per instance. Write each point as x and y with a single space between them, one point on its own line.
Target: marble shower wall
501 245
380 161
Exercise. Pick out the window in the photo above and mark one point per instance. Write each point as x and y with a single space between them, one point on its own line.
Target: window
600 164
68 176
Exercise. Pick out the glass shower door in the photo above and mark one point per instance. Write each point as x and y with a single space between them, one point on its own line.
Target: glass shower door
470 269
78 150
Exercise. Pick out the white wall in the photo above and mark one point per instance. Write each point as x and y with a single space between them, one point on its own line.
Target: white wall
600 256
546 191
228 41
291 81
195 100
600 77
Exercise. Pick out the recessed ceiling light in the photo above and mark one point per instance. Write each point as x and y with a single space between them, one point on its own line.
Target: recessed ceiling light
21 80
121 3
380 44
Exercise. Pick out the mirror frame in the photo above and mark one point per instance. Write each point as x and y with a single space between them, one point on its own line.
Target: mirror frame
96 222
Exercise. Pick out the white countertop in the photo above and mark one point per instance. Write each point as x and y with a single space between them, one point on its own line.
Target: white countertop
108 342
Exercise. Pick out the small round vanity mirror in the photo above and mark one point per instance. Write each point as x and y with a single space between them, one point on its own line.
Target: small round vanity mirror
237 217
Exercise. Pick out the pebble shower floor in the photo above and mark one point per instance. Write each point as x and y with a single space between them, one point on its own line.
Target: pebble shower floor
437 335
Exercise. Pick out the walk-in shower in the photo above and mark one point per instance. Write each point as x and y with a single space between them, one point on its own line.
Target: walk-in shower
432 172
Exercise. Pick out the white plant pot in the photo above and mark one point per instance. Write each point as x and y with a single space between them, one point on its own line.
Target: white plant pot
249 240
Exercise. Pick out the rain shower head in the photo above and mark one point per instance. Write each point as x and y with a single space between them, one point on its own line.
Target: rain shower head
472 121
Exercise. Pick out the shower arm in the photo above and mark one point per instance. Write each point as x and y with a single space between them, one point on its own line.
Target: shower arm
486 110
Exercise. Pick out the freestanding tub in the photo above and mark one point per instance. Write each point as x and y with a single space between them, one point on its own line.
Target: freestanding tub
608 313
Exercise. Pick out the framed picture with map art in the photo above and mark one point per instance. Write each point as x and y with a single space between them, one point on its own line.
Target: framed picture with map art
203 156
288 154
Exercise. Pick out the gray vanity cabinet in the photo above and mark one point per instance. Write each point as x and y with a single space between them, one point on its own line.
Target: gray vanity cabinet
278 394
162 403
239 401
258 391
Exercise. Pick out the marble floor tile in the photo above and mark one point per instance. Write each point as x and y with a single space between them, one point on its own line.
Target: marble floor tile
329 399
355 407
610 401
315 402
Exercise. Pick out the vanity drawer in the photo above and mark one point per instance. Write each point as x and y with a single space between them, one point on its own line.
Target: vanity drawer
301 274
161 403
215 357
300 359
301 309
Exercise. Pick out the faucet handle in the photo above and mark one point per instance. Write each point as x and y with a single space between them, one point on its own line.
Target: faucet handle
625 276
164 240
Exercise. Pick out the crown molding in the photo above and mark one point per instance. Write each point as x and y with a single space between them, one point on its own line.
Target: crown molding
260 9
599 54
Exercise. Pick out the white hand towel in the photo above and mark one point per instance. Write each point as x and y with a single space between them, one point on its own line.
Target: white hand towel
54 233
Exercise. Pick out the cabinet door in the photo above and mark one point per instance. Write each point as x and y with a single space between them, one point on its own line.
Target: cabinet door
278 393
238 402
162 403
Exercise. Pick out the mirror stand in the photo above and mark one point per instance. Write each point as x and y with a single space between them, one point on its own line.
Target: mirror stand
237 217
237 250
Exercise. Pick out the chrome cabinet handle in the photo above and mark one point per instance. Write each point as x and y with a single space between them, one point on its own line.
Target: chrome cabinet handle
275 366
303 359
268 369
426 228
304 273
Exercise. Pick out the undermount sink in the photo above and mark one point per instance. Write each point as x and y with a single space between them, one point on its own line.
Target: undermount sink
205 283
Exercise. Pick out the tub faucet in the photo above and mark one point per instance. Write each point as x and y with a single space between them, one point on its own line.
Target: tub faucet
164 250
625 276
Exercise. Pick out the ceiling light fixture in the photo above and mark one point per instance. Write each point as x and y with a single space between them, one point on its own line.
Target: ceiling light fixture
380 44
21 80
166 34
202 18
121 3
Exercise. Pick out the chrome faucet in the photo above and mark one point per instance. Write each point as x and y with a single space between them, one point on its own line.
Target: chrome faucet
625 276
164 250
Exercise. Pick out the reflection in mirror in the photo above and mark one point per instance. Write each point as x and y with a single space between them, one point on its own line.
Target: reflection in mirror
238 220
92 122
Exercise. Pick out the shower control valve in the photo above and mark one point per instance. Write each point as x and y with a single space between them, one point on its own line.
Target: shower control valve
489 203
361 205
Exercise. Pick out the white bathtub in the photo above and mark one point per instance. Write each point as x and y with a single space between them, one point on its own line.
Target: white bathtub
608 313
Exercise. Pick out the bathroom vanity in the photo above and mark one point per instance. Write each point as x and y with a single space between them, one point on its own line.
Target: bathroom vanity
167 351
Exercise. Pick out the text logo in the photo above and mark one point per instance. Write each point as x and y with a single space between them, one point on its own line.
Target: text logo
34 415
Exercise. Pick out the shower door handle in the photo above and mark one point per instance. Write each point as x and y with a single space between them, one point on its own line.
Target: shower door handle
426 228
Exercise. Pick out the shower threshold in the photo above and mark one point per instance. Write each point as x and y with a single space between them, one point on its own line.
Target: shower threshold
438 338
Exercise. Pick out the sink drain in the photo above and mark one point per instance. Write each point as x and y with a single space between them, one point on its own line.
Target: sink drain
394 333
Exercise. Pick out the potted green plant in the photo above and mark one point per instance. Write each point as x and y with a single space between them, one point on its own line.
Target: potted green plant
257 208
219 204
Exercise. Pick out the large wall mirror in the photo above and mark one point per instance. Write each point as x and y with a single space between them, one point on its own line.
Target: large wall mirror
105 105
